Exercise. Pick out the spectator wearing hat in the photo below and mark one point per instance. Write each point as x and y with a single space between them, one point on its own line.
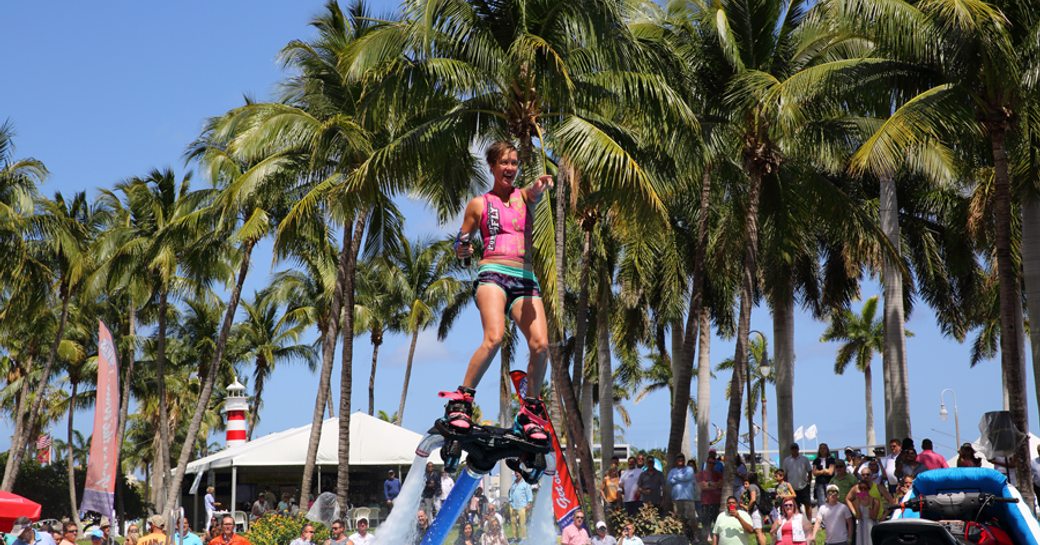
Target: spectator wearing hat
23 534
361 536
966 457
602 537
227 533
184 535
835 517
96 537
156 531
68 534
39 538
106 530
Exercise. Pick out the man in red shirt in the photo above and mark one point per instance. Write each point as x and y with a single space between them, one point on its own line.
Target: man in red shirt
928 458
227 533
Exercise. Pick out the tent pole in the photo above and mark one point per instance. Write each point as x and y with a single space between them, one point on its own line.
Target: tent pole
234 490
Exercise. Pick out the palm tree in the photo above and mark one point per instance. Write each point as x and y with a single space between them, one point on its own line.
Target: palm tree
862 337
421 270
758 354
378 311
270 337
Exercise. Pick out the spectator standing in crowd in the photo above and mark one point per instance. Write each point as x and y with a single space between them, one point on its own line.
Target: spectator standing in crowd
96 536
466 536
133 535
57 532
713 460
641 462
629 537
447 483
23 534
227 533
732 525
68 535
260 506
682 482
966 457
835 517
602 537
929 458
740 473
784 490
904 486
431 490
651 485
710 482
843 479
493 532
865 507
477 505
908 464
493 514
610 491
575 532
212 529
520 498
284 505
306 536
749 499
184 535
822 471
106 531
391 489
211 503
791 527
797 469
361 536
337 533
629 484
888 463
156 531
422 523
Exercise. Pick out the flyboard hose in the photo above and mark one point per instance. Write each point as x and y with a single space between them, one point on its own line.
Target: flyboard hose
467 483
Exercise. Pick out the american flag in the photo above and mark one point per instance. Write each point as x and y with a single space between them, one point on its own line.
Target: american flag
43 441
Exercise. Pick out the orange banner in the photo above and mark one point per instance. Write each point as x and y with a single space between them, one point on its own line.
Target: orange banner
99 492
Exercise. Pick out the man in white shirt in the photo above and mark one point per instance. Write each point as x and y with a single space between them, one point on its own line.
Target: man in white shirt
629 485
835 518
797 468
361 536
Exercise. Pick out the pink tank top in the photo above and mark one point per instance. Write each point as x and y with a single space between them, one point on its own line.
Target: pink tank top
505 227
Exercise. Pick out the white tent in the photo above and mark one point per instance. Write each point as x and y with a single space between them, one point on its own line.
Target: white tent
373 442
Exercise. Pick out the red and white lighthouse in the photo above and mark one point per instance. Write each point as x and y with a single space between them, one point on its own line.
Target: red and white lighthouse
236 405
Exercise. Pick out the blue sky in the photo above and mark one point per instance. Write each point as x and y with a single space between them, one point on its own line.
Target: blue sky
101 91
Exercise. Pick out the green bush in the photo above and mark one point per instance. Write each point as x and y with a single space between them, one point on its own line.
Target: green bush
647 521
280 530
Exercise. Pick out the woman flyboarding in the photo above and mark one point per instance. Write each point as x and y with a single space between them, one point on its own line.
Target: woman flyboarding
506 284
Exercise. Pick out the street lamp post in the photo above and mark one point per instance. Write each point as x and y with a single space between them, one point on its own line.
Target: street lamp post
943 414
764 368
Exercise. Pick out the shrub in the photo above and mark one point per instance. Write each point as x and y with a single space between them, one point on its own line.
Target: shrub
647 521
280 530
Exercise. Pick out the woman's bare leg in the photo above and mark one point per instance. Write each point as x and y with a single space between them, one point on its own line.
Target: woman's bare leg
491 302
529 315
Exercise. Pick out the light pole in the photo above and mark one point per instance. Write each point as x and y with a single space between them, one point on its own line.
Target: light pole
764 369
943 414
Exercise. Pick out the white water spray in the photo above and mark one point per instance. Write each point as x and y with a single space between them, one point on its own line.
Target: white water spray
399 527
541 529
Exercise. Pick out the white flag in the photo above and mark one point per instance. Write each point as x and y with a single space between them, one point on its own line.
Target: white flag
799 433
810 432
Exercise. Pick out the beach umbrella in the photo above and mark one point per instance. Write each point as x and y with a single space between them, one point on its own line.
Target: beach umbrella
13 506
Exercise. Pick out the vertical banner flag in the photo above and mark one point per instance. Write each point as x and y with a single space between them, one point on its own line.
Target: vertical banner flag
43 449
99 491
565 498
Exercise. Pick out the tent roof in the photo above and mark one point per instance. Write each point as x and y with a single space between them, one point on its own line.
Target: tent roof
373 442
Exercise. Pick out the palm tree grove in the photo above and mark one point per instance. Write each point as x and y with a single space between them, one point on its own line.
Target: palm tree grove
842 196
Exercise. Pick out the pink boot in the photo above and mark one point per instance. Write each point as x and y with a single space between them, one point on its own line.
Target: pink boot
458 411
532 421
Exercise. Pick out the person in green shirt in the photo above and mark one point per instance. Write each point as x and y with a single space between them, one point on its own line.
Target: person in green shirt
842 479
732 526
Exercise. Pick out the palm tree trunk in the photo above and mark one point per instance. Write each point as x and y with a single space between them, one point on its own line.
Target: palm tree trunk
202 406
407 376
868 391
1012 363
17 450
606 377
1031 273
162 469
70 461
20 416
258 392
124 401
703 384
783 356
346 377
893 360
561 376
683 375
330 336
581 316
505 357
740 362
377 340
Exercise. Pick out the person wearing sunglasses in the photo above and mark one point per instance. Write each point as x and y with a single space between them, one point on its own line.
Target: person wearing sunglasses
791 527
835 518
575 533
732 526
865 506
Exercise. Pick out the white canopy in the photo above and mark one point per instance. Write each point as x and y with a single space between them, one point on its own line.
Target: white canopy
373 442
